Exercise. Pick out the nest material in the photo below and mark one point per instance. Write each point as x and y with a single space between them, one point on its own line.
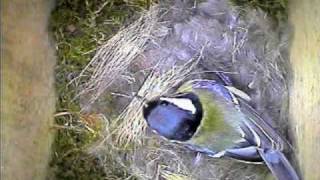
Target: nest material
167 45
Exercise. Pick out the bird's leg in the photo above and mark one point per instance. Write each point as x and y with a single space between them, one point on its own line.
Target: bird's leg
199 149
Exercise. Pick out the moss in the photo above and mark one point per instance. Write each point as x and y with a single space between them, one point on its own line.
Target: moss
78 28
277 9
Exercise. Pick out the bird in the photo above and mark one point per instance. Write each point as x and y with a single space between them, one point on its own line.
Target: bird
216 119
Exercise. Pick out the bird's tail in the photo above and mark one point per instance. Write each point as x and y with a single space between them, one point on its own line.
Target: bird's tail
278 164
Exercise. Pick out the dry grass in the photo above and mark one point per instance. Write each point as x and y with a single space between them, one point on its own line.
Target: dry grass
122 141
125 135
112 60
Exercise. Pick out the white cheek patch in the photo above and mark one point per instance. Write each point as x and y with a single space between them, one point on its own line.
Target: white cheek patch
182 103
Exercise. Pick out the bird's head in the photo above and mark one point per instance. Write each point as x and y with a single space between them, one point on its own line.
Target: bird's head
176 117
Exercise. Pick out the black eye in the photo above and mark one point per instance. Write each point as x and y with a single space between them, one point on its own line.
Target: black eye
163 103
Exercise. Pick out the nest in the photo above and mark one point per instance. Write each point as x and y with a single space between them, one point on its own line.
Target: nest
169 44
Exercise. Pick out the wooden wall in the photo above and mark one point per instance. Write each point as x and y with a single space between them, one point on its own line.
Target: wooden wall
304 108
27 89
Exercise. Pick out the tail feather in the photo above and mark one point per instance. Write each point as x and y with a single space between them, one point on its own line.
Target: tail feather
278 164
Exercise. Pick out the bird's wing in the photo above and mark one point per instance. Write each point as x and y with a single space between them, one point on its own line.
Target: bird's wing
265 142
278 164
247 154
214 87
268 137
270 145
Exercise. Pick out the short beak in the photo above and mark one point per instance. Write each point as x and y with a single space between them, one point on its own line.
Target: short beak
141 99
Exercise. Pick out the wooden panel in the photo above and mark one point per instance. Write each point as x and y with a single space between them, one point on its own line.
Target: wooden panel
27 91
305 88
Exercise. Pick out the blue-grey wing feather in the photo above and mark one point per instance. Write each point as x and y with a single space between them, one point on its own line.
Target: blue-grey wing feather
278 164
249 154
214 87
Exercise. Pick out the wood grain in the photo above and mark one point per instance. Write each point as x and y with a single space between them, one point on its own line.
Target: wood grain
27 91
305 88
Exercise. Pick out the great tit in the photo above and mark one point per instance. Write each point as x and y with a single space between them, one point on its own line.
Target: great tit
209 117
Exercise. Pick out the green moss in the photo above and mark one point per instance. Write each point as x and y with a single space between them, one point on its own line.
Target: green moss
277 9
78 28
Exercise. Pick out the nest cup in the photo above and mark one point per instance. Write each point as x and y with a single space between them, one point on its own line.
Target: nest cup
171 43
